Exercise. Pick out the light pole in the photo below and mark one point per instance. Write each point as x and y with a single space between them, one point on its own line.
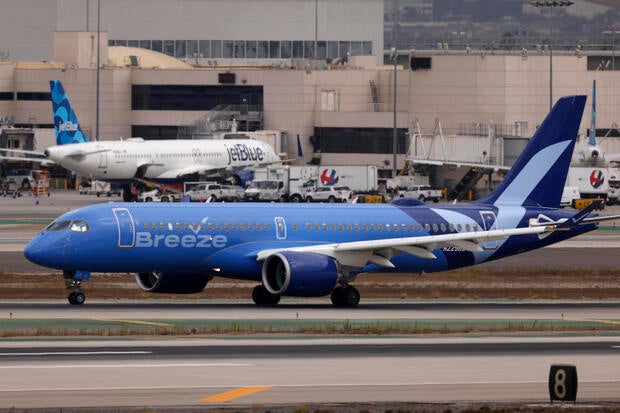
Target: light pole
550 4
394 137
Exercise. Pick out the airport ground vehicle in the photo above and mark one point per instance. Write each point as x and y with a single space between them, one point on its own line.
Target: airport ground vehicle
212 192
157 195
613 196
592 182
569 196
421 192
330 194
99 188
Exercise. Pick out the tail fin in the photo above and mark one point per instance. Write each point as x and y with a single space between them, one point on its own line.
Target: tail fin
67 127
539 174
592 140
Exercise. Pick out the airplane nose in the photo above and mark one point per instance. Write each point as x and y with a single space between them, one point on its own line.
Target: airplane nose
40 252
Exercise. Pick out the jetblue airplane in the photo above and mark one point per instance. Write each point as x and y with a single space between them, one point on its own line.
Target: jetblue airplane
314 250
159 160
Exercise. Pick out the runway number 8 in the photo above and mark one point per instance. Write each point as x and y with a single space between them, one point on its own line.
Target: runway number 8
563 383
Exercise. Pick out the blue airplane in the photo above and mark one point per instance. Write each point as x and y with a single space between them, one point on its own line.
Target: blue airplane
314 250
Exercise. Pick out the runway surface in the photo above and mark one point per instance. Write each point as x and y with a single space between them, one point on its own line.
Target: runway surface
295 372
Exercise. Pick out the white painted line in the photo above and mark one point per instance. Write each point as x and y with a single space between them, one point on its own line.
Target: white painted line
75 353
117 366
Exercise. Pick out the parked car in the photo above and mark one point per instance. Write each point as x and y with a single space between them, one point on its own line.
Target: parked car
330 194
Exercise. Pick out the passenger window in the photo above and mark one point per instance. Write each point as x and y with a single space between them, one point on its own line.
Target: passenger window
258 226
333 226
372 227
467 228
202 226
356 226
396 227
170 226
146 226
324 226
226 226
162 226
316 226
443 227
266 227
218 227
435 228
250 226
154 226
210 226
451 227
427 227
340 227
308 226
349 227
380 227
404 227
294 227
388 227
364 227
177 226
459 227
185 226
475 227
241 227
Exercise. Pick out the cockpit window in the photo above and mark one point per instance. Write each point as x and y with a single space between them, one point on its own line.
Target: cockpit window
58 226
77 225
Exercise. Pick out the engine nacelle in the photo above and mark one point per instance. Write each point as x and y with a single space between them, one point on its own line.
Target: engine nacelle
172 283
299 274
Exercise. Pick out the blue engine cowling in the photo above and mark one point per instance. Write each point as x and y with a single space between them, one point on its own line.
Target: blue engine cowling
299 274
172 283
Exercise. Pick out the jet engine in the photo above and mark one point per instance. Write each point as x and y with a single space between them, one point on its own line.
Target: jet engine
299 274
172 283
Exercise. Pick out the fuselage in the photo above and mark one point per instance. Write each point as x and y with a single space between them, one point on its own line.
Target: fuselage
224 239
163 159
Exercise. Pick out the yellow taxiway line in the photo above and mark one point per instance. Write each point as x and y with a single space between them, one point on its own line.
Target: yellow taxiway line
233 394
146 323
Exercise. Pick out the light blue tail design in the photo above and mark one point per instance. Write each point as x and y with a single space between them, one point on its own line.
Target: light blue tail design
65 122
539 174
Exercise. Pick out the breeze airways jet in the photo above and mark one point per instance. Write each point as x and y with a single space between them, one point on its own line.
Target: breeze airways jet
158 160
315 250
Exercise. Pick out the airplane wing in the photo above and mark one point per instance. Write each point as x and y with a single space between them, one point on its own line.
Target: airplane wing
359 253
192 169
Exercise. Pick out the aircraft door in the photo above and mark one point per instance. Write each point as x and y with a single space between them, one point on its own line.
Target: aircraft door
103 158
126 228
489 221
280 227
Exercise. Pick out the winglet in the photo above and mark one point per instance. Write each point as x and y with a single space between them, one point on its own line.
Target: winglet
67 127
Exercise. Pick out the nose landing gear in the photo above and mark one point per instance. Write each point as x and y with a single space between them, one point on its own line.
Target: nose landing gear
73 280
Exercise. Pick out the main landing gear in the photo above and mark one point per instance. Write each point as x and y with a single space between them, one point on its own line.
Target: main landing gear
345 296
264 298
73 280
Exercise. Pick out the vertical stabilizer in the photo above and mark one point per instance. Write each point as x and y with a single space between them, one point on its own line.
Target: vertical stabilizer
67 127
539 174
592 140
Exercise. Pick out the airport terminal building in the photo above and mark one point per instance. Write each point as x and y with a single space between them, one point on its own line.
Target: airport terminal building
311 69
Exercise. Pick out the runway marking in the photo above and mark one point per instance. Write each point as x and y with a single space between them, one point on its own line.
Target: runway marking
76 353
147 323
117 366
234 394
616 323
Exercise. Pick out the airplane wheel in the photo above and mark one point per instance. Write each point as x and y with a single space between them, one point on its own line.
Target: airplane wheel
77 298
262 297
345 297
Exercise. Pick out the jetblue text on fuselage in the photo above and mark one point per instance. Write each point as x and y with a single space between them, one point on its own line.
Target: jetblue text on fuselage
243 152
67 126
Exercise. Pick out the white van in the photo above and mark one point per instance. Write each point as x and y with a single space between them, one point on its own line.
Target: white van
569 196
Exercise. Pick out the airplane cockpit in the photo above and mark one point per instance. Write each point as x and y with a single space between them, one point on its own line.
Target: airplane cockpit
76 225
